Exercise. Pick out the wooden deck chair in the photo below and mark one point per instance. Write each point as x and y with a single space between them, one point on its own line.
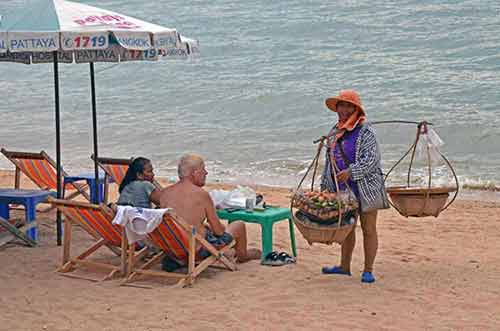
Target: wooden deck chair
178 240
96 221
41 169
115 169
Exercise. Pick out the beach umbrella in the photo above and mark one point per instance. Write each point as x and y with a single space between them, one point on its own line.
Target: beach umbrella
59 31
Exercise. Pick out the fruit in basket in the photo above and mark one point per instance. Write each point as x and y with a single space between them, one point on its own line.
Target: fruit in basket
310 200
323 206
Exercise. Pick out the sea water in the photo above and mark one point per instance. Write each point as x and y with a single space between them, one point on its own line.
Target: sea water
253 102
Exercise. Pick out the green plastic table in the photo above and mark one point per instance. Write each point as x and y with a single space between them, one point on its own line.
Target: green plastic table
266 219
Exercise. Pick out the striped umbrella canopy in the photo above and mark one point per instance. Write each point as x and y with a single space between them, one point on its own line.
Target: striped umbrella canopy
59 31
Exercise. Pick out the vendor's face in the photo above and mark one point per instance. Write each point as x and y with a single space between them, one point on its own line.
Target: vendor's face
345 109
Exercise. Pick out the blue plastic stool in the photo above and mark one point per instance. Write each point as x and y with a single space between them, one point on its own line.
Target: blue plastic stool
29 199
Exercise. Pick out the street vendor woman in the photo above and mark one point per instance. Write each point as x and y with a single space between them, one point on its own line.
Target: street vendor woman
353 148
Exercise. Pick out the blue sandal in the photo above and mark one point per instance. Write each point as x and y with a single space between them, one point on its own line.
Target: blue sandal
335 270
367 277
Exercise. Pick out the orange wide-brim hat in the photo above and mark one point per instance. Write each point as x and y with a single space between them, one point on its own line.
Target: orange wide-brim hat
350 96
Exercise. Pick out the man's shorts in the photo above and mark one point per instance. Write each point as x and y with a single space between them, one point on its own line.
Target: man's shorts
217 241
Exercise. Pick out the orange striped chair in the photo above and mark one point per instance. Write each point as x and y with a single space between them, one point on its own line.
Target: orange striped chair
41 169
96 220
179 240
114 169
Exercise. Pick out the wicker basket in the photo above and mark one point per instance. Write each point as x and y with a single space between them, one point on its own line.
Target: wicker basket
419 202
324 234
322 231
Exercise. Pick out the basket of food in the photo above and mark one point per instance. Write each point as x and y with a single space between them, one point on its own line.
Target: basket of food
426 199
322 207
323 217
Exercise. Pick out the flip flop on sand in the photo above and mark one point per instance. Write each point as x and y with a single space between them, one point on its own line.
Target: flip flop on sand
278 259
335 270
283 256
272 259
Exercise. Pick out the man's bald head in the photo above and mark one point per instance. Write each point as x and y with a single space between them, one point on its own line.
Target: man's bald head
188 164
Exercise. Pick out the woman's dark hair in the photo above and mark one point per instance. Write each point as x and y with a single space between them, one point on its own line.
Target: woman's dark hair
135 167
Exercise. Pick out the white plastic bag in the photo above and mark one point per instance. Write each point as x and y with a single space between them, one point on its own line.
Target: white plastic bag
218 196
232 199
432 141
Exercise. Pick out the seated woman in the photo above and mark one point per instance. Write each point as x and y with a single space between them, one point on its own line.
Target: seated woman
137 189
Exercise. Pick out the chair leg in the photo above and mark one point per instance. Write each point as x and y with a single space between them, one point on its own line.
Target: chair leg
123 256
17 233
106 188
191 258
134 257
230 265
226 262
155 259
131 260
204 265
182 283
67 241
111 274
67 267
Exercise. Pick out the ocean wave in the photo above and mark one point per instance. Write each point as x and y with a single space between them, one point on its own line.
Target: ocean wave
482 186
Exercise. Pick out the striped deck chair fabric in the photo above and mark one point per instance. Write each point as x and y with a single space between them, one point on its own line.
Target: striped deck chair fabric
41 170
171 239
179 240
117 172
96 220
115 169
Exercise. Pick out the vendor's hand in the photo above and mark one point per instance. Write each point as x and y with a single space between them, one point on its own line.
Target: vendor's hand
344 176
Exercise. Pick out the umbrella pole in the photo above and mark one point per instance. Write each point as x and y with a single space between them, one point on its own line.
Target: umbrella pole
58 146
94 125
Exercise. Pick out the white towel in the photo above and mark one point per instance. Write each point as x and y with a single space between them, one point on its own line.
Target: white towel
138 222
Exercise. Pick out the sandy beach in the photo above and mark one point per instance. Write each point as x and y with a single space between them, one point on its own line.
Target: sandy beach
411 89
432 273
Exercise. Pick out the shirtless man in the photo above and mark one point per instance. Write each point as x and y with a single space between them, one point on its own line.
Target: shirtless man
191 202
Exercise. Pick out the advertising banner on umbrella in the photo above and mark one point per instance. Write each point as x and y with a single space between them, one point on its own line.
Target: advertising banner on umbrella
48 57
84 31
16 57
